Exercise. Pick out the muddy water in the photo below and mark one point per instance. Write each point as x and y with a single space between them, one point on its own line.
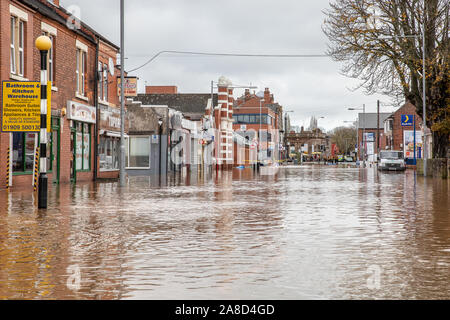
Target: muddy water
306 233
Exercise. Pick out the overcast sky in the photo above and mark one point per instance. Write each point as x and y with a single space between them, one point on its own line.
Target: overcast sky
309 86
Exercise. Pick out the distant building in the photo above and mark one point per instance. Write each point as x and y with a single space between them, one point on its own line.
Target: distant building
398 137
373 140
313 145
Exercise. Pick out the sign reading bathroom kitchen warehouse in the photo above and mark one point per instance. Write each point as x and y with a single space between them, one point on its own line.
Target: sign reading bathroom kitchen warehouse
81 112
21 110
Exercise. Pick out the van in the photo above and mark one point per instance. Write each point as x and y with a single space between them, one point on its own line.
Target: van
391 160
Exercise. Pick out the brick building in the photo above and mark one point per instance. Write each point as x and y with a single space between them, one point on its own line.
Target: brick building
311 144
395 133
73 64
372 125
253 113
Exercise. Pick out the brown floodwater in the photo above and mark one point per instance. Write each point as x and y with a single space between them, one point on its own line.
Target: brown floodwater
305 233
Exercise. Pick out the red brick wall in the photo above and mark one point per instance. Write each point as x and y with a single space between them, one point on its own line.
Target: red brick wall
397 129
161 90
65 82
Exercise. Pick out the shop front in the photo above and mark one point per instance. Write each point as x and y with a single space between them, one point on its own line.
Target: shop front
82 119
109 143
24 152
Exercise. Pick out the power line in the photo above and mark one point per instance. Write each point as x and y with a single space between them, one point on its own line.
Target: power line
232 55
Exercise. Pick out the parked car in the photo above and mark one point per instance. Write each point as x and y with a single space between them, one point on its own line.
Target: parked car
391 160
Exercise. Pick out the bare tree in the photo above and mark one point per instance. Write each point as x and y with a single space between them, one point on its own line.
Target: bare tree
379 42
344 138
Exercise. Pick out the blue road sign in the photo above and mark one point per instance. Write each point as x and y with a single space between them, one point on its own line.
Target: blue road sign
407 120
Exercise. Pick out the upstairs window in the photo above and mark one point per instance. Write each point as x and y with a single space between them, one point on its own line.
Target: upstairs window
81 72
50 59
17 46
105 82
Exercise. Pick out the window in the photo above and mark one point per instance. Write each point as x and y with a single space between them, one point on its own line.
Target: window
17 46
100 81
50 59
105 82
138 152
83 146
109 153
21 46
23 151
81 71
13 45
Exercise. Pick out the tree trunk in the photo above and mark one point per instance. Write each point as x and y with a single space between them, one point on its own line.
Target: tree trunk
441 143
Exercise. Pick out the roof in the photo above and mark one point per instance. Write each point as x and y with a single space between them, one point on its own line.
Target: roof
192 105
371 120
274 106
57 14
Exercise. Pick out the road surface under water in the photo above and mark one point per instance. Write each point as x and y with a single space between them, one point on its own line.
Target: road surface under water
307 233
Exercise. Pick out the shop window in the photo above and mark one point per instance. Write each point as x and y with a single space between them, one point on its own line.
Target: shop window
138 152
83 146
23 151
109 153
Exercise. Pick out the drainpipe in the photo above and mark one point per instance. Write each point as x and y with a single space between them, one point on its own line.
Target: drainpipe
97 117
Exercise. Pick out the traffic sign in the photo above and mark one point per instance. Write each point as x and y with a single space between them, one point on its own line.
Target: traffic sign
407 120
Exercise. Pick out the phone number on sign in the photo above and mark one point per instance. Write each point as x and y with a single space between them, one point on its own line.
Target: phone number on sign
22 127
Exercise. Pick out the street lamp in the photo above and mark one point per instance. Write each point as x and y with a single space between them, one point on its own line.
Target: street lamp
122 94
364 132
259 135
160 122
43 44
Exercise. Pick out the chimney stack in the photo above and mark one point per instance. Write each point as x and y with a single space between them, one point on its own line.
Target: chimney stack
267 95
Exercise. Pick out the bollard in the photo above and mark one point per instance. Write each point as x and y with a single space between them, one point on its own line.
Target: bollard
36 169
8 167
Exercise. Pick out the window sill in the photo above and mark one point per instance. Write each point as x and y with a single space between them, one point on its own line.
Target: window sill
106 103
26 173
109 170
54 89
79 96
18 78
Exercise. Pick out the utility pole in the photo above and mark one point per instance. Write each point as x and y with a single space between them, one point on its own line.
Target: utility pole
378 126
122 97
424 96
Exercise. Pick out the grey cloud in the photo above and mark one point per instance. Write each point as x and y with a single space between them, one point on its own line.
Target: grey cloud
308 86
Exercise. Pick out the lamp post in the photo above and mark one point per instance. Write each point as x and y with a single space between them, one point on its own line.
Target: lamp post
43 44
424 94
259 134
122 96
364 132
160 122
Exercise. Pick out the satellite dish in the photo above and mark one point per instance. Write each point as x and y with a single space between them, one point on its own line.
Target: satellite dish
111 66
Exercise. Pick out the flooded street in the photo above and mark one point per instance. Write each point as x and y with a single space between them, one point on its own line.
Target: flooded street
306 233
